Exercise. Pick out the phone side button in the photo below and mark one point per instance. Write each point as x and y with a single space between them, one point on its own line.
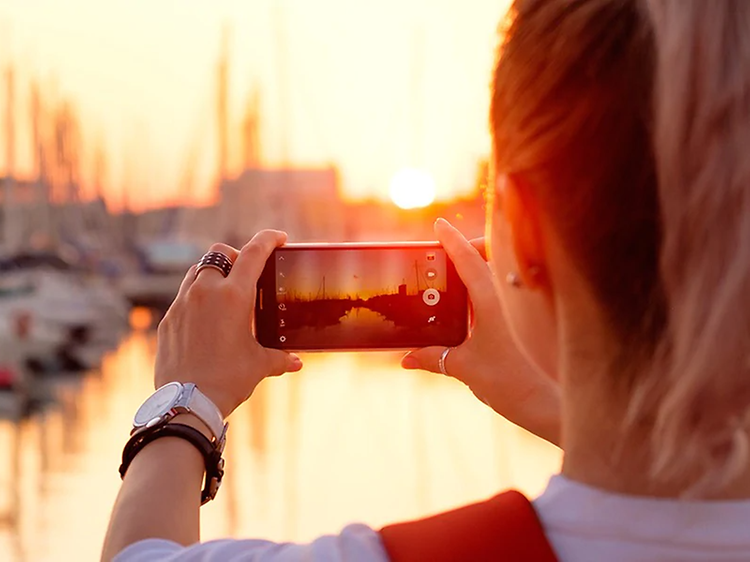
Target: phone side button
260 298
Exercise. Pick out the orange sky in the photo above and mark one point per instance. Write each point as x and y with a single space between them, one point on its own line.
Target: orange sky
372 87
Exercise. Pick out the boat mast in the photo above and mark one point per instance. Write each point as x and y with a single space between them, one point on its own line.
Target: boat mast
222 112
250 137
281 69
43 212
9 218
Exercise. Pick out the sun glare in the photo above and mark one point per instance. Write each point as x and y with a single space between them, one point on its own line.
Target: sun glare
412 188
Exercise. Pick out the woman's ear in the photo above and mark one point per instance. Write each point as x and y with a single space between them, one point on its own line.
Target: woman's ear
523 217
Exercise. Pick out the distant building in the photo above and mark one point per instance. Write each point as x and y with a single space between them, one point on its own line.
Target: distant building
306 203
29 218
24 192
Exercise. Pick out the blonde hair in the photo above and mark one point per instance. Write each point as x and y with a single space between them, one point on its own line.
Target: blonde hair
631 120
701 386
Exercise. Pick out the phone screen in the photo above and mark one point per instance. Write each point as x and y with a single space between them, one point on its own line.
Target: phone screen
360 297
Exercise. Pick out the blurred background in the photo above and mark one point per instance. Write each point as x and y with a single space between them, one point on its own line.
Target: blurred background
133 134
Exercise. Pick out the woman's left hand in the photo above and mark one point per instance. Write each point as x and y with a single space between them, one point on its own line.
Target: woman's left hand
206 336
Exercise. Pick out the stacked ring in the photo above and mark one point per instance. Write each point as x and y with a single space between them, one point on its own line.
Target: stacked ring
215 260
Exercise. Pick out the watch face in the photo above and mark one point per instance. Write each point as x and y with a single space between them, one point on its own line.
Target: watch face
158 404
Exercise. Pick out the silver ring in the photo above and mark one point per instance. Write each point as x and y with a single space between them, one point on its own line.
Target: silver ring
441 361
215 260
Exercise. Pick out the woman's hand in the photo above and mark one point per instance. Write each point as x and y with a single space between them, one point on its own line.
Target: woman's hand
206 336
489 362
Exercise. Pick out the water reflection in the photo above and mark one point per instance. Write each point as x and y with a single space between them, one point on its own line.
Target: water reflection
350 438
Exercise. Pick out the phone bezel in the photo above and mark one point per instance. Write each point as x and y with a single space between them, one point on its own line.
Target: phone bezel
265 306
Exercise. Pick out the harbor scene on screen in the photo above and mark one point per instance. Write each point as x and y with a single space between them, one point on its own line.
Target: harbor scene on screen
363 297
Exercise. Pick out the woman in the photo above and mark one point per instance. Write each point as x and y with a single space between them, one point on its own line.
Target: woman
621 223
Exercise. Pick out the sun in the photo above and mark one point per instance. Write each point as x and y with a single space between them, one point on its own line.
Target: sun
412 188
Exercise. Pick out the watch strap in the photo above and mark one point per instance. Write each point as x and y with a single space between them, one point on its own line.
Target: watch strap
211 454
203 408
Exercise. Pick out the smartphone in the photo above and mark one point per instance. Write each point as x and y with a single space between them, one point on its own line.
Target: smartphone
345 297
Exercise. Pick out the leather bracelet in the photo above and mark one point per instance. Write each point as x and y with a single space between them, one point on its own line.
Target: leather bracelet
211 453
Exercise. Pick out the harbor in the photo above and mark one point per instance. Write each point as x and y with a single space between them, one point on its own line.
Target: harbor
350 438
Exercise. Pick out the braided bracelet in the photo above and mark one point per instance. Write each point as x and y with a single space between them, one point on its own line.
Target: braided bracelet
211 453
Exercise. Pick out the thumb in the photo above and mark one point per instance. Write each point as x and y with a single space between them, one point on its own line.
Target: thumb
280 362
428 359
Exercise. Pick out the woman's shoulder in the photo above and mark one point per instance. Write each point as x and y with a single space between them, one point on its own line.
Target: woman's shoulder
585 523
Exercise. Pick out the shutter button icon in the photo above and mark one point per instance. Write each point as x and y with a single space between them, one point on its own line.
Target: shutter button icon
431 297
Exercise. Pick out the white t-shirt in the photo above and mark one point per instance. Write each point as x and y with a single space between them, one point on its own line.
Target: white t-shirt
583 524
355 542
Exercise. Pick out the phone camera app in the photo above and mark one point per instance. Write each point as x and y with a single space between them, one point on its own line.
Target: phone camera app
362 298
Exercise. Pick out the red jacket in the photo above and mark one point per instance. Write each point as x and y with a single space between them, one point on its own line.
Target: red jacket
504 528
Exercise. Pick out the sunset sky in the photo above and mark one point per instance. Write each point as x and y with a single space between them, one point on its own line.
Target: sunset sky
370 86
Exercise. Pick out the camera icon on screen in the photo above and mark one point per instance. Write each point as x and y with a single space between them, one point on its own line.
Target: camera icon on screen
431 297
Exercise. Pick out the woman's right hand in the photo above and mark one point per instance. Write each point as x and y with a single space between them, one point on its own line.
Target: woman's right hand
206 336
489 362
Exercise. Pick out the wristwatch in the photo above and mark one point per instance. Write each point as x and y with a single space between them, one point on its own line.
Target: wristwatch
151 423
177 398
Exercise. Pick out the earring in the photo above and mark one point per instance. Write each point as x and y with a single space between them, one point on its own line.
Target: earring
514 280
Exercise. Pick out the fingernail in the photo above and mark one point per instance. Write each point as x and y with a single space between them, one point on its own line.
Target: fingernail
409 362
296 363
443 223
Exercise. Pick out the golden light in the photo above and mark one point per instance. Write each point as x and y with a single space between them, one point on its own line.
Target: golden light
141 318
412 188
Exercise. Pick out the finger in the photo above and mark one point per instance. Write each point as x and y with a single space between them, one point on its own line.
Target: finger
210 275
279 362
187 281
428 359
480 245
253 256
471 267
